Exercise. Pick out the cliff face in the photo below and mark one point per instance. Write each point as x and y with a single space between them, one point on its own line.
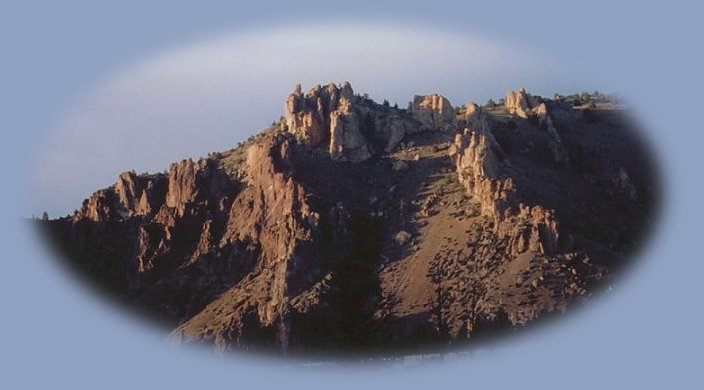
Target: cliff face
478 160
355 128
272 223
442 227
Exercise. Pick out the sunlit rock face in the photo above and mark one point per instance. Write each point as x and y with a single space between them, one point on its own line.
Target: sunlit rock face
355 128
434 112
352 227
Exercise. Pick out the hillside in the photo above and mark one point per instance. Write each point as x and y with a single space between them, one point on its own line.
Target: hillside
352 227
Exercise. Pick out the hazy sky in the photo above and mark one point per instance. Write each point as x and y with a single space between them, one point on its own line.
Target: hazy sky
207 97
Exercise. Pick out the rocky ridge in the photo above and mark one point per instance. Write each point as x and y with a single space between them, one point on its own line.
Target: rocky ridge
356 226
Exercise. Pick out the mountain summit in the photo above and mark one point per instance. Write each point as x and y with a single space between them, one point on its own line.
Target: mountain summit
353 227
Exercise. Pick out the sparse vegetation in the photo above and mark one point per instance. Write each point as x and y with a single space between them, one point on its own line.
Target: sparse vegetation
423 244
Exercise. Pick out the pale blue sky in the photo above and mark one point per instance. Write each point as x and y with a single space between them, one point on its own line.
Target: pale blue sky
207 95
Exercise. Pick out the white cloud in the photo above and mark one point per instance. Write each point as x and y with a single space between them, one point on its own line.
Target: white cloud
209 96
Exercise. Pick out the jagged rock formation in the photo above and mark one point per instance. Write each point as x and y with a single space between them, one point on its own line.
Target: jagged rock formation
356 128
431 236
271 220
131 195
520 103
434 112
478 160
473 114
526 106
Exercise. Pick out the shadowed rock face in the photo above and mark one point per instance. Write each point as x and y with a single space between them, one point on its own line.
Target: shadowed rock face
354 227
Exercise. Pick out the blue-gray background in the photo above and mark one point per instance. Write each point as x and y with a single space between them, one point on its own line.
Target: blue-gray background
646 333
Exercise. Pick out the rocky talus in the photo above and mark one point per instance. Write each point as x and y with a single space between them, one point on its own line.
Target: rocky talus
352 227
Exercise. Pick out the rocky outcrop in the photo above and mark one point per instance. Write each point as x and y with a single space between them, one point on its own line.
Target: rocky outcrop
185 184
434 112
472 114
166 212
519 103
478 159
182 188
329 115
354 128
526 106
308 116
99 206
273 213
131 195
201 184
277 245
533 229
346 139
545 121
